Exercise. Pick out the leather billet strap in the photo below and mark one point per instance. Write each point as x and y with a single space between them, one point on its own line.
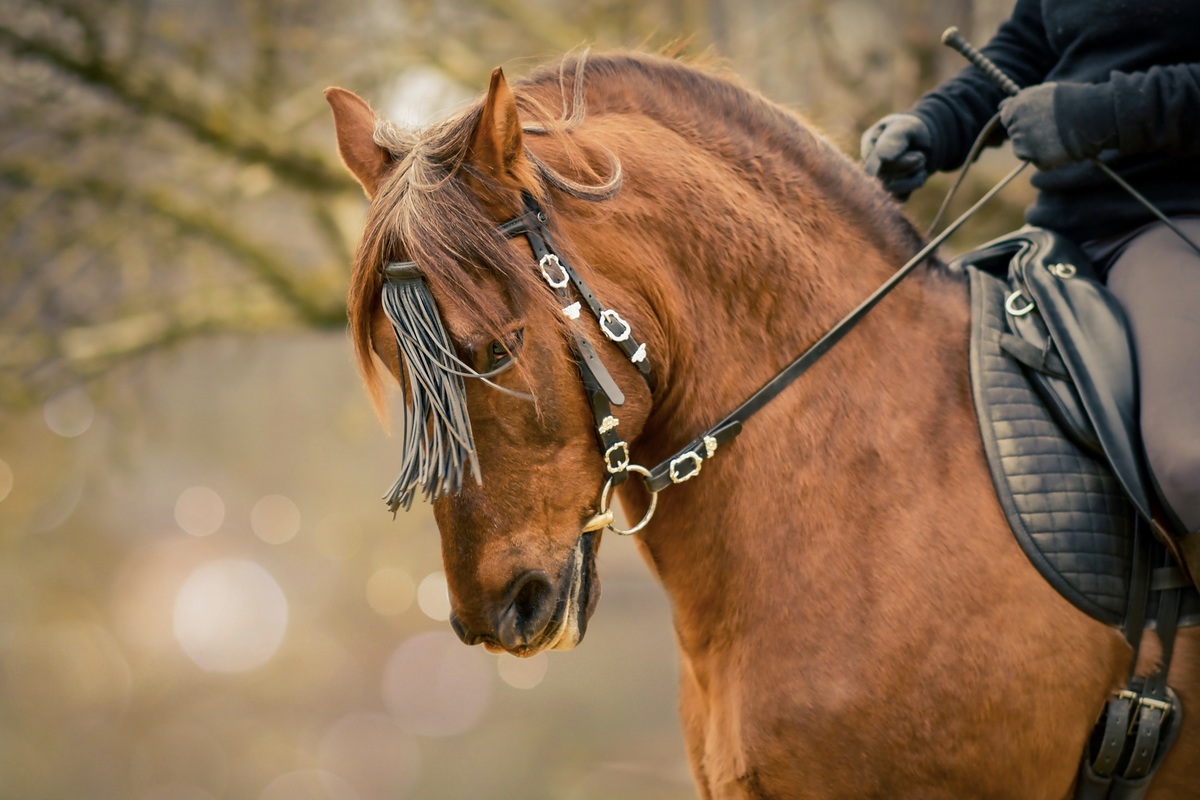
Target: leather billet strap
1141 722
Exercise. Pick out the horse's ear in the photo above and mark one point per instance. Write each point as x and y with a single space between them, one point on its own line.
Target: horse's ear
354 122
496 142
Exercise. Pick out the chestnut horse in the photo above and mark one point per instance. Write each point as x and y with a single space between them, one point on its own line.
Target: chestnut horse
853 616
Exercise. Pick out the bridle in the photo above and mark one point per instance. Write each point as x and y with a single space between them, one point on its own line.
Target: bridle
603 392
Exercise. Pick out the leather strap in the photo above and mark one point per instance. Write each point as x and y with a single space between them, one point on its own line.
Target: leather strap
1120 709
1046 361
602 391
1117 716
1136 725
533 224
1155 703
731 425
1139 592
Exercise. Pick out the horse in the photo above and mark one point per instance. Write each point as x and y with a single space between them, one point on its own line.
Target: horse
852 615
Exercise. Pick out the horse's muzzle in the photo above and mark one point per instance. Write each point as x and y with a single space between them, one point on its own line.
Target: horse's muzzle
536 613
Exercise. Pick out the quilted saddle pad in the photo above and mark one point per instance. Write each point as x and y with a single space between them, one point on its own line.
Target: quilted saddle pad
1065 508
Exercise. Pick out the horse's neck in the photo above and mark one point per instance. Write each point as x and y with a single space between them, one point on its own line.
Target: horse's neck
827 469
752 295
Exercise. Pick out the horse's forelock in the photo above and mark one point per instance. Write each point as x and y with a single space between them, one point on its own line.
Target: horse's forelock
425 212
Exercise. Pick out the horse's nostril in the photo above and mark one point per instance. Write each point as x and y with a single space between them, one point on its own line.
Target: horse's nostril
462 632
529 595
528 610
468 637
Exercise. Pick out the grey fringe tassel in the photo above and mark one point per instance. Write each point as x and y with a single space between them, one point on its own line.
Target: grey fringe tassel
437 443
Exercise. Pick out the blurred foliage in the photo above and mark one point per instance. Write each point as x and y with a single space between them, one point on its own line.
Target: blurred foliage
168 175
167 168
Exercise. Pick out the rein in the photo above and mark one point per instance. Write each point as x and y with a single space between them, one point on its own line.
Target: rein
686 463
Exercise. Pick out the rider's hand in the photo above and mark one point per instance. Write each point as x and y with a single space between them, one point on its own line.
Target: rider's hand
1032 127
896 150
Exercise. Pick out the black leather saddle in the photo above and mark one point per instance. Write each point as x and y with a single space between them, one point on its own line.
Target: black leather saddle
1054 382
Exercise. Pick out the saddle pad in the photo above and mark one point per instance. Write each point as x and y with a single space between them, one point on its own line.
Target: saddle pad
1066 509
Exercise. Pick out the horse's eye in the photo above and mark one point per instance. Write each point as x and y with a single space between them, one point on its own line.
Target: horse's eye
501 354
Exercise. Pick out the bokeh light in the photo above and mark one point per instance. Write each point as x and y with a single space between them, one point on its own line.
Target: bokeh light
310 784
69 413
144 588
522 673
230 615
61 503
199 511
338 537
390 591
275 519
372 753
433 596
68 666
175 791
180 760
6 479
436 687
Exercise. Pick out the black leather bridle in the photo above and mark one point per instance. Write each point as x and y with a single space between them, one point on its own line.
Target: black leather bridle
603 392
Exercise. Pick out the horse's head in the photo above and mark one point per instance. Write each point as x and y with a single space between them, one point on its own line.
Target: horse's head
500 431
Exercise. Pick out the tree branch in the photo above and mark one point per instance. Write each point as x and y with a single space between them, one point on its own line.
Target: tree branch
550 28
261 262
153 97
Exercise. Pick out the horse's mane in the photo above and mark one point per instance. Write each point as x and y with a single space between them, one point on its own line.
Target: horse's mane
424 212
708 104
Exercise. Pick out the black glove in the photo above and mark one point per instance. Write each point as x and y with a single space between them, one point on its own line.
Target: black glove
895 150
1033 129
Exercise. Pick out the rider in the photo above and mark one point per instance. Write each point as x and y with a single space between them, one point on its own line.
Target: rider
1117 81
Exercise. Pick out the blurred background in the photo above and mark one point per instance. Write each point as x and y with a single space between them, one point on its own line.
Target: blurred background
201 593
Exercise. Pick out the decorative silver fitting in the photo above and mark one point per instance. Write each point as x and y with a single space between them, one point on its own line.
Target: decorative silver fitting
607 318
710 447
640 354
684 460
572 311
550 261
608 423
1010 305
621 451
1064 271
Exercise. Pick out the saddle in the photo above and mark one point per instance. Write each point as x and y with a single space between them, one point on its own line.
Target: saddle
1053 377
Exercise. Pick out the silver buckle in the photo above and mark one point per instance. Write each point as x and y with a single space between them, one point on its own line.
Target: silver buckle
551 260
623 461
696 461
607 316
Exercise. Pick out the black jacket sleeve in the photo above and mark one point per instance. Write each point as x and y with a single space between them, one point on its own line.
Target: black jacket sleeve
1156 111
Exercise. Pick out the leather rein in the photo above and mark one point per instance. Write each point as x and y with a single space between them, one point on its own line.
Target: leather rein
603 392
